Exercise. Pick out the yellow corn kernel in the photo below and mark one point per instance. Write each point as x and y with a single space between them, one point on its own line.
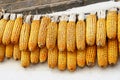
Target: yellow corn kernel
16 52
62 60
90 55
111 24
81 58
25 59
2 52
101 33
9 51
52 57
91 29
62 33
43 54
112 52
34 57
24 35
33 35
43 31
102 56
8 30
119 27
71 61
17 29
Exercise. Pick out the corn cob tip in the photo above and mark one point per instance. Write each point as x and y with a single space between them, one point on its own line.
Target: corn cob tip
64 18
12 16
19 15
72 17
36 17
113 9
6 15
28 18
54 19
81 16
101 14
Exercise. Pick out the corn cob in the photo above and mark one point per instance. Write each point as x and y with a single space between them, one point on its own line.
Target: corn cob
2 52
43 31
119 26
52 57
81 58
51 34
112 52
43 54
80 33
16 29
71 61
71 33
101 30
33 40
91 55
3 23
25 59
16 52
102 56
8 30
62 60
112 23
90 29
62 33
34 57
24 35
9 51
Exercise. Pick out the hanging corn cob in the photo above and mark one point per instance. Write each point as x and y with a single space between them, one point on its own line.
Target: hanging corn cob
17 29
52 33
34 56
102 56
62 33
52 57
43 31
112 52
9 51
43 54
71 61
119 26
71 33
112 23
90 55
101 29
62 60
33 40
24 35
16 52
81 58
90 29
3 23
2 52
8 30
25 59
80 33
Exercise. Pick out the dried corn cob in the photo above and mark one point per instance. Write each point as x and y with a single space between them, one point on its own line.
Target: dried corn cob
112 23
43 54
80 33
62 33
9 51
62 60
101 29
43 31
8 30
34 57
2 52
51 33
25 59
17 29
52 57
112 52
3 23
90 29
102 56
91 55
81 58
71 61
71 33
34 33
24 35
119 26
16 52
